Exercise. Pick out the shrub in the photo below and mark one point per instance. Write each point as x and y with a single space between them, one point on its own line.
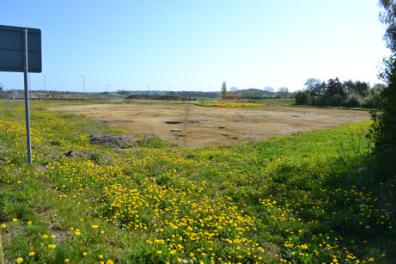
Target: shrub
303 98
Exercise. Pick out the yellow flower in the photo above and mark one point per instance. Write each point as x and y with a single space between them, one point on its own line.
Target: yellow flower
44 237
85 253
15 220
370 260
77 233
94 226
19 260
29 222
101 257
109 261
3 226
66 260
304 246
32 254
51 246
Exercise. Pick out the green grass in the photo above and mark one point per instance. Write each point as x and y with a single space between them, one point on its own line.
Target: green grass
307 198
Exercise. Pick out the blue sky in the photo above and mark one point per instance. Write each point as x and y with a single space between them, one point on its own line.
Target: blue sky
197 44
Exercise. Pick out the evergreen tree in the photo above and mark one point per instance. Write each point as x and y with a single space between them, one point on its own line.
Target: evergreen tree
383 130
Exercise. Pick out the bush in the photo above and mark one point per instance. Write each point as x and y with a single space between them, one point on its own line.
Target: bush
303 98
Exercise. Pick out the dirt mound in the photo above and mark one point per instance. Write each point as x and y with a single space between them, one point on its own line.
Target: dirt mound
121 141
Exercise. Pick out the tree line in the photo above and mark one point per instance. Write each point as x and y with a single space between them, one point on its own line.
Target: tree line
336 93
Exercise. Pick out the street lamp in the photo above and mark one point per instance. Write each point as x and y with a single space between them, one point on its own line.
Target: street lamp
83 82
45 82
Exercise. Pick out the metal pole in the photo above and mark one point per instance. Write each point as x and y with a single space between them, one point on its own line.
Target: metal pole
26 84
83 83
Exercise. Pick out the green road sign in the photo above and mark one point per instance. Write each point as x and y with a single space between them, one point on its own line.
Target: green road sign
12 56
20 51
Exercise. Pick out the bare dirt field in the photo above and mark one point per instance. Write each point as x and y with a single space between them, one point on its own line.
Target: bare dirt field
194 126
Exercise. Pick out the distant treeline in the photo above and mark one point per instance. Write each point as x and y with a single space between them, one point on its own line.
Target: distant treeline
336 93
246 94
159 97
249 94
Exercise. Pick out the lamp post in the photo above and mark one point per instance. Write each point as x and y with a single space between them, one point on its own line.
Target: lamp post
45 82
83 83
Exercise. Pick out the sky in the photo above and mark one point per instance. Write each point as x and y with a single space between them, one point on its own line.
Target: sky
197 44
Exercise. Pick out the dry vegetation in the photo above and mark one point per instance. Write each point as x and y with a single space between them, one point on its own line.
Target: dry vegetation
195 126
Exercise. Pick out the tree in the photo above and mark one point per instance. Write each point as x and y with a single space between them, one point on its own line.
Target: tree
383 130
268 89
224 90
334 87
358 87
283 91
302 98
314 86
374 97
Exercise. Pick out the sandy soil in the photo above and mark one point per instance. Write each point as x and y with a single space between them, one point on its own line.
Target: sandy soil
194 126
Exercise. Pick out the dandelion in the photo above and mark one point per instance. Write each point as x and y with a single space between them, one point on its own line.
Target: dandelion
109 261
51 246
44 237
77 233
19 260
3 226
32 254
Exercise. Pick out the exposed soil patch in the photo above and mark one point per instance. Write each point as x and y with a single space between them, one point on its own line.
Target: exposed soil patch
113 140
198 126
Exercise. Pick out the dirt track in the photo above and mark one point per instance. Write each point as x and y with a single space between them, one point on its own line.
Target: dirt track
193 126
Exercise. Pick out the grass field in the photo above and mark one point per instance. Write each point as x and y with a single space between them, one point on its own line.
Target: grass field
219 123
305 198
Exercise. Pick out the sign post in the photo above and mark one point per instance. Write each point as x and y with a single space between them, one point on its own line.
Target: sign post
20 51
26 84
